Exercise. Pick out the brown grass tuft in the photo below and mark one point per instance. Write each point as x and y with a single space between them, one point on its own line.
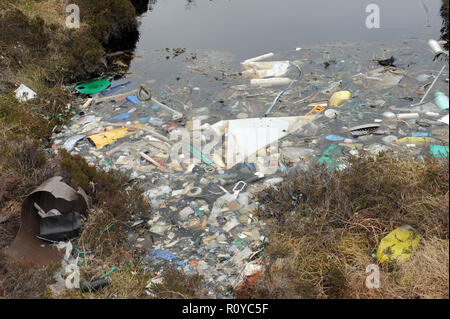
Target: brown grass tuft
325 225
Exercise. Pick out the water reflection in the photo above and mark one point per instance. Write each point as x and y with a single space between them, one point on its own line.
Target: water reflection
142 6
249 27
444 29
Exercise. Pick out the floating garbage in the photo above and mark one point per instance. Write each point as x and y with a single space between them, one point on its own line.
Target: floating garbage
259 58
382 78
444 119
441 100
245 137
334 138
122 116
387 62
93 86
408 116
265 69
108 137
331 114
270 82
365 129
117 88
72 141
133 99
339 98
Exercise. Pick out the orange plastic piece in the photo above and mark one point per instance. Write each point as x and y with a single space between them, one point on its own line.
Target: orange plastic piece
316 110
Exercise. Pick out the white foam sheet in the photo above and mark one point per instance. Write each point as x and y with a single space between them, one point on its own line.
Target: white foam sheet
245 137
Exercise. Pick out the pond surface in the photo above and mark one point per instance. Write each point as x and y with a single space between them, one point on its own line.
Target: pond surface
252 27
232 31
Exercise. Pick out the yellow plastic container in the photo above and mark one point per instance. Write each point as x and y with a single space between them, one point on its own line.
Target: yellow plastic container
339 98
398 245
109 137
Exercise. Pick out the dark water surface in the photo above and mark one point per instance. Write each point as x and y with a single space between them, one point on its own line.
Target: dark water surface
252 27
218 34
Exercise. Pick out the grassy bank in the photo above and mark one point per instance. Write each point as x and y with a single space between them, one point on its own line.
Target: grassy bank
326 226
38 50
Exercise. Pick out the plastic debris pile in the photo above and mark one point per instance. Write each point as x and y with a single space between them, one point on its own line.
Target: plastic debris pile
343 101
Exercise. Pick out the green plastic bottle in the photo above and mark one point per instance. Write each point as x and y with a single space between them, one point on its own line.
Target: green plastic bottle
441 100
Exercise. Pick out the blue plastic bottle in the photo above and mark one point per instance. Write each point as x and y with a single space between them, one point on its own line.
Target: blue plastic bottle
441 100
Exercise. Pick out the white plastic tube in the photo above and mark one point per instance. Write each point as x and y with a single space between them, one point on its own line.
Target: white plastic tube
270 81
407 116
259 58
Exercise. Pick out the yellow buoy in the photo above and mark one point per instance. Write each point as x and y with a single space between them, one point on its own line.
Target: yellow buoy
398 245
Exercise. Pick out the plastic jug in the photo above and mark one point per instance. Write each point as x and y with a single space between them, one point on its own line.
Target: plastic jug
441 100
339 98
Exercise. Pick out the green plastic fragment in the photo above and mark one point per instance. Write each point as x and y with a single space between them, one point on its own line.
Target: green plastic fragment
93 86
331 150
108 273
199 155
439 151
198 212
109 226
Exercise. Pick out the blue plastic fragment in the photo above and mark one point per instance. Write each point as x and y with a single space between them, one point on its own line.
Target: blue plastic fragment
133 99
143 120
334 138
155 107
250 166
419 134
122 116
163 254
117 88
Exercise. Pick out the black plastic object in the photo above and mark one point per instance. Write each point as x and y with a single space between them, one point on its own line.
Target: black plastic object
88 286
60 228
387 62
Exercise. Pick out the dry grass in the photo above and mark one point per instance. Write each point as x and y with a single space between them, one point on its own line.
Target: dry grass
24 281
423 276
127 281
326 225
178 285
52 11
